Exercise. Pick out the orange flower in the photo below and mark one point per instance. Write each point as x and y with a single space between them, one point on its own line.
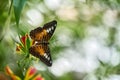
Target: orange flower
30 73
23 40
14 77
38 77
18 48
8 70
11 74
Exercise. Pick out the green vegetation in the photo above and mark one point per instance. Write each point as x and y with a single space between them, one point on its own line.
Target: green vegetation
85 44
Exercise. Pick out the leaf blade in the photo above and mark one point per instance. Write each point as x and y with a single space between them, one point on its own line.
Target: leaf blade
18 6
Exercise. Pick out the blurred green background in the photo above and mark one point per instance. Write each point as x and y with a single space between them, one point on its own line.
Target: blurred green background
85 45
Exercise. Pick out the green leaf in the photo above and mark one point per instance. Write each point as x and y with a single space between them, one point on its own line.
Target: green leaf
28 43
18 6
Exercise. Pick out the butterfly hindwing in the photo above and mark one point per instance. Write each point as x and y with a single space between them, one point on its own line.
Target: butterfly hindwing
42 52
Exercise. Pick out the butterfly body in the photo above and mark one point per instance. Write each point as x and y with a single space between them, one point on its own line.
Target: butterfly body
41 36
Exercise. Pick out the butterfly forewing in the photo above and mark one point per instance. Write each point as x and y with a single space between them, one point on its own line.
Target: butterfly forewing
45 33
50 28
40 36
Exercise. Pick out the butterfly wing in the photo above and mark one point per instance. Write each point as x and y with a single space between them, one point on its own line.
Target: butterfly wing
50 28
42 52
41 36
45 33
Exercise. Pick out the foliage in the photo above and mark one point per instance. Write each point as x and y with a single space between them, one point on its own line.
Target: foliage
85 45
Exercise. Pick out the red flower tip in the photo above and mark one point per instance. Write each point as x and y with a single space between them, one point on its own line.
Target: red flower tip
30 73
32 70
23 39
38 77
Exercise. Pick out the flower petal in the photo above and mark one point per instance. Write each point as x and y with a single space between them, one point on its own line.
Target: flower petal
30 73
38 77
18 48
11 74
8 70
14 77
23 39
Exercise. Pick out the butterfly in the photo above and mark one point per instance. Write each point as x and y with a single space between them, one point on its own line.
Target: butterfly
40 37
